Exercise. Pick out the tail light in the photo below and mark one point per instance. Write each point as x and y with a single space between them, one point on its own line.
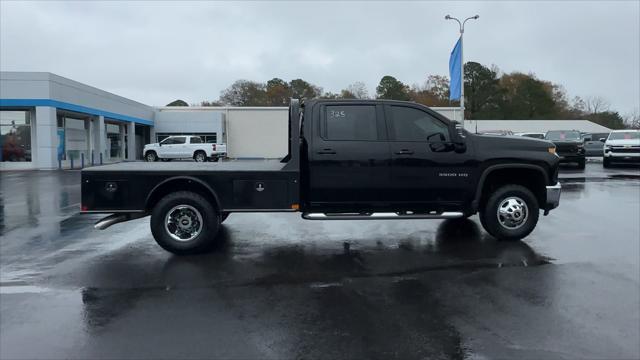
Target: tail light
213 146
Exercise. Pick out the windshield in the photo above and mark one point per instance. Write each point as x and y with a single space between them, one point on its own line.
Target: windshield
563 135
625 135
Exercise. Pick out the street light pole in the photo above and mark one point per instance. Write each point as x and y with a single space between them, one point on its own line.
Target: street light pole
461 24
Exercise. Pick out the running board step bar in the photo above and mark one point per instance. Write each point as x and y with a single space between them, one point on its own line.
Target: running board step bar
381 216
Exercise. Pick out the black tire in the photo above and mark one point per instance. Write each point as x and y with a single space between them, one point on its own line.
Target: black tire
223 216
151 156
210 224
490 219
581 164
606 162
200 156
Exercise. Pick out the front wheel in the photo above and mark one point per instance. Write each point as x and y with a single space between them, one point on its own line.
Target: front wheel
606 162
184 223
581 164
510 213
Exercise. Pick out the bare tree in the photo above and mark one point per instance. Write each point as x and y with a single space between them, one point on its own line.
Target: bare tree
358 89
596 104
632 119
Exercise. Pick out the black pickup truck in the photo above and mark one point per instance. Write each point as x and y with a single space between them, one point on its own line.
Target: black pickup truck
347 159
569 146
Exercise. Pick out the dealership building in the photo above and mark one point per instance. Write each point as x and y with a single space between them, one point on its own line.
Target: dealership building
48 121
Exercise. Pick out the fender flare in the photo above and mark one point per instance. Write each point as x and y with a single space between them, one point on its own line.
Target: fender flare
475 204
182 178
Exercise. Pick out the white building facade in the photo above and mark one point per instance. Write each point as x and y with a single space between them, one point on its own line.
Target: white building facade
47 121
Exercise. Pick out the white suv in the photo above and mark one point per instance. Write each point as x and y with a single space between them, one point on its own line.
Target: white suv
621 146
184 147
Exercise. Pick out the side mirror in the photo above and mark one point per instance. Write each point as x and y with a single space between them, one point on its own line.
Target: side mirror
440 138
437 142
460 147
603 139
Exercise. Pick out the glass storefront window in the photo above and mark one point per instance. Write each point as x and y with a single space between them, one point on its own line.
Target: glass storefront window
15 135
76 138
73 137
114 141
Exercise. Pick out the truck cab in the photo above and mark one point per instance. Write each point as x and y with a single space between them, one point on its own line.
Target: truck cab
347 160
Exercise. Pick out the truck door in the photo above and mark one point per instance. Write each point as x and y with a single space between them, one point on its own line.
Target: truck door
349 156
423 174
172 147
182 148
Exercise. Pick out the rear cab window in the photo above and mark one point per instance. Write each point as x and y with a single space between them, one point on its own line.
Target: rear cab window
350 123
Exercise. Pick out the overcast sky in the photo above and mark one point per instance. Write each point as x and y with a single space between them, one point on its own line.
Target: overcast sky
157 52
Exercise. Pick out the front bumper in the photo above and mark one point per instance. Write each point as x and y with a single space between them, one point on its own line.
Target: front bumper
553 196
571 157
622 156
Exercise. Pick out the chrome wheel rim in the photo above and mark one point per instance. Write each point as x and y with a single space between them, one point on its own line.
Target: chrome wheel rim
183 223
512 212
200 157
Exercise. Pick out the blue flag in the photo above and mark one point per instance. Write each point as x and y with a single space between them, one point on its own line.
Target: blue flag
455 84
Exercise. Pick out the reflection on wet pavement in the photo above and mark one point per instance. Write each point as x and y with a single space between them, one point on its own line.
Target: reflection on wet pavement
281 287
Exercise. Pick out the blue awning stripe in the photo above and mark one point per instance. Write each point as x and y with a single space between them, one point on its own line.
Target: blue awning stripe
72 107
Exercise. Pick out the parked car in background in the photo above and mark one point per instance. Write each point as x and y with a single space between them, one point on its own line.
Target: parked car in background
593 144
569 146
535 135
622 146
497 132
184 147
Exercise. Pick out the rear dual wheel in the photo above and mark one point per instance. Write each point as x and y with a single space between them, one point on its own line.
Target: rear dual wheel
185 223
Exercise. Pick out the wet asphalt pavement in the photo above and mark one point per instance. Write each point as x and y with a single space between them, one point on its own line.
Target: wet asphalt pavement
282 287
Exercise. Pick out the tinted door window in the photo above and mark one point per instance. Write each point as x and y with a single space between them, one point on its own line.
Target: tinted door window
196 140
179 140
350 123
410 124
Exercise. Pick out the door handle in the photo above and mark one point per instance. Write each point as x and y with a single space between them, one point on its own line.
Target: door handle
404 152
326 152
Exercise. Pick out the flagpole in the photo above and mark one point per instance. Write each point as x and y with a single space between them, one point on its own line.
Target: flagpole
461 60
462 74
